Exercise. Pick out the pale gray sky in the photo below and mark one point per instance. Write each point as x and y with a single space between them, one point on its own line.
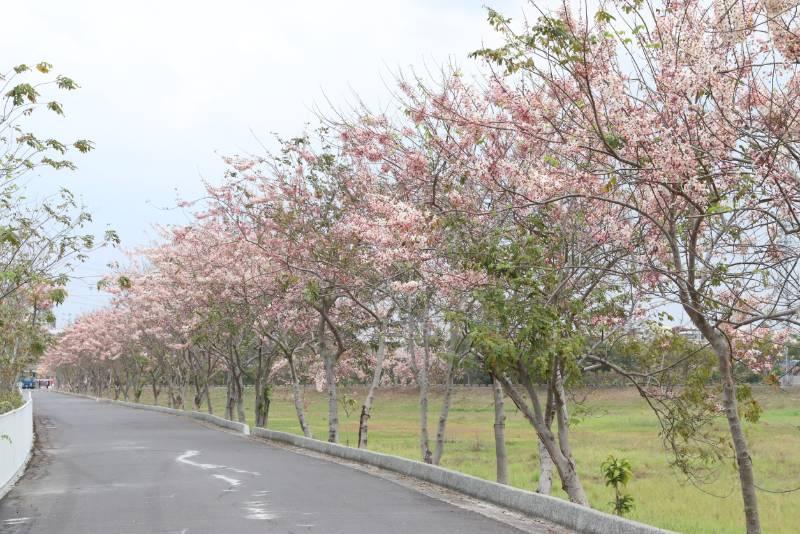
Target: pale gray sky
168 86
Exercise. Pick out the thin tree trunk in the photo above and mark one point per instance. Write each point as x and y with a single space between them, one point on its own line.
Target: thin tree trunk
240 398
744 462
156 392
262 392
207 383
198 394
333 405
262 388
171 399
230 400
422 383
262 411
298 400
366 408
127 387
501 456
445 411
570 481
545 485
330 379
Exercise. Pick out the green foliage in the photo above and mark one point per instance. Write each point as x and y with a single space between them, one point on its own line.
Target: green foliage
749 408
10 400
25 150
518 329
349 404
617 473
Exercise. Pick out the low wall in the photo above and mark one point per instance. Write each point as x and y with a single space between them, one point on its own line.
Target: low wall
16 442
551 509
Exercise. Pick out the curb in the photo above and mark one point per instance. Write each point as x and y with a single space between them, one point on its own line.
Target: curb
536 505
208 418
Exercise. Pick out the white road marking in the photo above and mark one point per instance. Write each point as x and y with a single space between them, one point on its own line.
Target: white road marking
184 459
17 520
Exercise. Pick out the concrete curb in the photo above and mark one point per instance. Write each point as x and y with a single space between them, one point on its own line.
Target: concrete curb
208 418
545 507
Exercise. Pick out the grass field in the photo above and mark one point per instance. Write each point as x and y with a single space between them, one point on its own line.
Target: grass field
617 422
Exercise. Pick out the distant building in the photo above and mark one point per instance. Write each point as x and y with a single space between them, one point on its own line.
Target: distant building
689 332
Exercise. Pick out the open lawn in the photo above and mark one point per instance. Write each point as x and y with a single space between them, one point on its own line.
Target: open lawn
616 422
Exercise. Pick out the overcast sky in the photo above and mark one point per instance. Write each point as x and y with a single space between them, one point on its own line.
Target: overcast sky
170 86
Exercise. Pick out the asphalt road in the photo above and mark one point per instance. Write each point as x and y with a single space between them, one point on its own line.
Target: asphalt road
101 468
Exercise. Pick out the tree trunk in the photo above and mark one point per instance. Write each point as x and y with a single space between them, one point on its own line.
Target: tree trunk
156 392
207 382
127 386
565 465
240 399
209 406
330 382
298 400
501 456
230 400
744 462
545 485
445 411
262 406
421 373
366 408
262 386
198 394
333 405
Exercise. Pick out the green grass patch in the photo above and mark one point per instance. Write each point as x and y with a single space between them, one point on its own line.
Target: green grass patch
10 400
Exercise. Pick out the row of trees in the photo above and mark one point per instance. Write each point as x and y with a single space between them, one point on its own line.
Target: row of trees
610 168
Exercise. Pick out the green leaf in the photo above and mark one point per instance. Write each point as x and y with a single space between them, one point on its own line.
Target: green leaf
602 16
55 107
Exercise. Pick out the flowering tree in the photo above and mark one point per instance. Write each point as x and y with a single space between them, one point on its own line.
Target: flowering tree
681 114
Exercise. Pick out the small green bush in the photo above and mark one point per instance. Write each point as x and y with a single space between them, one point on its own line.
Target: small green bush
10 400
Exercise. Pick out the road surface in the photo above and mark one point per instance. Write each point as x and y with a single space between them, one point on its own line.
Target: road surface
101 468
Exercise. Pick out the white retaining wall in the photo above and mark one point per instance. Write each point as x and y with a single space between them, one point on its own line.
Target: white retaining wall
16 441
